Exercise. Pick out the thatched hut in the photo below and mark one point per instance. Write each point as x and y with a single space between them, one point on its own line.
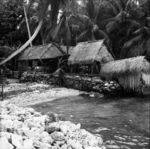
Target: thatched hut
43 55
132 73
91 54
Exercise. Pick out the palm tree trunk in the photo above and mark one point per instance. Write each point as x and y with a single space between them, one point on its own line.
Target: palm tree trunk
27 23
23 46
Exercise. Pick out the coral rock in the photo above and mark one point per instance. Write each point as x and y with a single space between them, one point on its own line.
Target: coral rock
53 127
4 144
28 144
17 141
58 136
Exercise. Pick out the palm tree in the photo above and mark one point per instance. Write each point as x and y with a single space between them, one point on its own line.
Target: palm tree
92 31
138 36
84 25
123 22
119 22
43 6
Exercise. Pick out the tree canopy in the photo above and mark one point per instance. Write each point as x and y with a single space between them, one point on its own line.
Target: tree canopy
11 14
123 24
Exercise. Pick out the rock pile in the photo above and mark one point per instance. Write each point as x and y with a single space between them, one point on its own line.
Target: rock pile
35 77
24 128
85 83
93 84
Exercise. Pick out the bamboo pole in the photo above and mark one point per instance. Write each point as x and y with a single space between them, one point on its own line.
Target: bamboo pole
27 23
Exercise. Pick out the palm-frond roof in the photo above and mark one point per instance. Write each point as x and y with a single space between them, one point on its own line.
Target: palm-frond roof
49 51
126 66
88 52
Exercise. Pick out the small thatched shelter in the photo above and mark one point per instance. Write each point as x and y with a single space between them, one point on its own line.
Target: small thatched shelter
132 73
88 52
49 51
87 57
43 55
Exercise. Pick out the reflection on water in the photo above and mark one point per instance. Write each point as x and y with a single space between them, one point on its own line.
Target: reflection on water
123 123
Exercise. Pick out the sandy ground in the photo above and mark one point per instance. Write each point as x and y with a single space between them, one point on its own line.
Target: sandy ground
22 87
29 94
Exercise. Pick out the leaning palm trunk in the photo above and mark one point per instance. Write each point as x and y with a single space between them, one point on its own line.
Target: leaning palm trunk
24 46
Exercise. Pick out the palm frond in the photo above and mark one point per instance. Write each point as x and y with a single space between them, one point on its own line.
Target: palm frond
106 11
118 4
115 6
90 8
54 10
57 29
143 30
132 42
30 5
68 32
148 22
129 45
99 34
84 36
43 7
123 3
111 27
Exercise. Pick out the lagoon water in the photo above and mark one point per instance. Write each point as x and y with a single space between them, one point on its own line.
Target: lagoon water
123 123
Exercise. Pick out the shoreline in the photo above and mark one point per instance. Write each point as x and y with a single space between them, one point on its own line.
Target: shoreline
36 94
25 128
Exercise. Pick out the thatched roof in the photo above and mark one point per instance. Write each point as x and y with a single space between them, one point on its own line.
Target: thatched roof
88 52
42 52
130 72
126 66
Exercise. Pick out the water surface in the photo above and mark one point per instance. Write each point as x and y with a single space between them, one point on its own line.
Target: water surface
123 123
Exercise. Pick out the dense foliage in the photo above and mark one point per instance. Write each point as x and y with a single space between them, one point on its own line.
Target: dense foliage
123 24
11 14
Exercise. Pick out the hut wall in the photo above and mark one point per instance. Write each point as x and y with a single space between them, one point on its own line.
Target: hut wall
134 81
34 63
22 65
130 81
146 79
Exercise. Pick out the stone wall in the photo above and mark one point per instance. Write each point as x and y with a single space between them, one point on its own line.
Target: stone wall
80 82
92 83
